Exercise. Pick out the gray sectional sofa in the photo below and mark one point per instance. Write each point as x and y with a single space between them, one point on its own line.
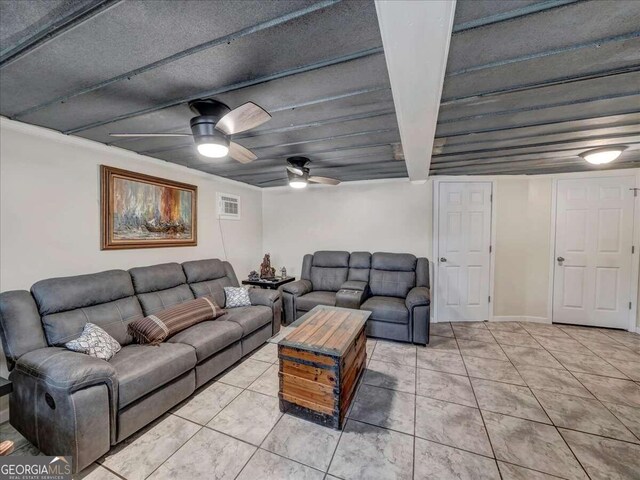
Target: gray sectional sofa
393 286
68 403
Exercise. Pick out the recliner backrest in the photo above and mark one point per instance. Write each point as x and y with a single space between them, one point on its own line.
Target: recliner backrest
66 304
160 286
392 274
209 277
329 270
359 266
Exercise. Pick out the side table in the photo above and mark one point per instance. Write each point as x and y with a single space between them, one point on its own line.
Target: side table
270 283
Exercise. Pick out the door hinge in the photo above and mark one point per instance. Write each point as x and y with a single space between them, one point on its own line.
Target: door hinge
629 305
491 197
633 249
635 191
489 298
489 248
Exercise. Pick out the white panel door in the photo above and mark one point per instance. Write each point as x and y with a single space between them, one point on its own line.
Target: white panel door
594 233
464 238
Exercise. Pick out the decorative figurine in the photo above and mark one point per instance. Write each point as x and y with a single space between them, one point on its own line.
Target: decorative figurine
283 272
266 270
254 276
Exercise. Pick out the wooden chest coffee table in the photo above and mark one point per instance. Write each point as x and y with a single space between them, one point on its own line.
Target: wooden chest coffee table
322 355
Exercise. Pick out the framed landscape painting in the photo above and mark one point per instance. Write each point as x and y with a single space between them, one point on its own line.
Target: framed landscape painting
140 211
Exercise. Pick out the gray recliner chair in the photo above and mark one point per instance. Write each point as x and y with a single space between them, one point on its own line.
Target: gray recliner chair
394 287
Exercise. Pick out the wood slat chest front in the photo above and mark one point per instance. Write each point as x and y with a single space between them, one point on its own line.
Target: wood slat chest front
321 362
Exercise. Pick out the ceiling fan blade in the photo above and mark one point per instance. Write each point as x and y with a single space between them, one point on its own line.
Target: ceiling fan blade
240 153
324 180
243 118
295 170
150 135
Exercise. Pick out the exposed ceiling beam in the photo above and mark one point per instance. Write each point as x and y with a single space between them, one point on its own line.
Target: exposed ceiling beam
543 107
511 14
441 158
236 86
274 22
50 31
537 85
548 53
301 142
416 37
538 124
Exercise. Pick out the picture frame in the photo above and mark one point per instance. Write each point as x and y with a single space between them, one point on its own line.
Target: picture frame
143 211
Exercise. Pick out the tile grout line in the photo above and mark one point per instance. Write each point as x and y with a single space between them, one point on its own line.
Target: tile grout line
484 423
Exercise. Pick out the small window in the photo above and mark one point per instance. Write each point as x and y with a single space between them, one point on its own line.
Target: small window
228 206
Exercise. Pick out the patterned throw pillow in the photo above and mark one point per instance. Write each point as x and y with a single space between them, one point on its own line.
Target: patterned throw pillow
156 328
96 342
236 297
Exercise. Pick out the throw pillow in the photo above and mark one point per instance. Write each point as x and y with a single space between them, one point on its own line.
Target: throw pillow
236 297
96 342
156 328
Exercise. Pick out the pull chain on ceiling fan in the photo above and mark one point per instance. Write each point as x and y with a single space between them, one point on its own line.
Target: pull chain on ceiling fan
213 126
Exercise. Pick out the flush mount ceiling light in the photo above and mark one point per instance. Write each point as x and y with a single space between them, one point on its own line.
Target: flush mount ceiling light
600 156
212 145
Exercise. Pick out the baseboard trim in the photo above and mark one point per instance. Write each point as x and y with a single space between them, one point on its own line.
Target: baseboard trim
520 318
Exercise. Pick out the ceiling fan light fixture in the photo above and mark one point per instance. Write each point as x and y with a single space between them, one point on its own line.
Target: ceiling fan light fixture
601 156
298 183
213 150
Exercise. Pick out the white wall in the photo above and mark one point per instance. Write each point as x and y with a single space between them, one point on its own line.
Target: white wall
50 209
391 216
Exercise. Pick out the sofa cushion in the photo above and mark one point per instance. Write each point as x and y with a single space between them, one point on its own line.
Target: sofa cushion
249 318
94 342
209 277
160 286
67 304
157 277
155 328
140 369
391 284
359 266
387 309
209 337
330 259
312 299
329 270
403 262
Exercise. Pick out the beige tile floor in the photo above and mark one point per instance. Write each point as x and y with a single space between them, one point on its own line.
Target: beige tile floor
483 400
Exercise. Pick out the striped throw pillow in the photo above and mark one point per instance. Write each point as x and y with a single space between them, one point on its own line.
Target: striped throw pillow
156 328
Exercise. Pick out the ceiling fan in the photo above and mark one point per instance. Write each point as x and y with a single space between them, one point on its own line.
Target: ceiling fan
298 173
213 126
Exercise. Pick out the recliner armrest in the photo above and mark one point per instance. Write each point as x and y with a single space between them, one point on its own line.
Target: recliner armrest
350 298
67 371
297 288
354 285
260 296
418 296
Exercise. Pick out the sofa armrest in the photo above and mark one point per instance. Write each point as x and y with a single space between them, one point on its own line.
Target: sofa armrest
65 403
260 296
297 288
354 285
347 298
67 371
418 297
271 299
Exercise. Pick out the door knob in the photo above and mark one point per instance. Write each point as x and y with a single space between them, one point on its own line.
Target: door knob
560 259
442 259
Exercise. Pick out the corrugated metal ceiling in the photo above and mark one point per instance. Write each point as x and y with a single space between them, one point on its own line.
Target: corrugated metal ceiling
529 84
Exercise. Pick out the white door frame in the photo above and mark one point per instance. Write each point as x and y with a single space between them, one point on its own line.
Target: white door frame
434 240
635 263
